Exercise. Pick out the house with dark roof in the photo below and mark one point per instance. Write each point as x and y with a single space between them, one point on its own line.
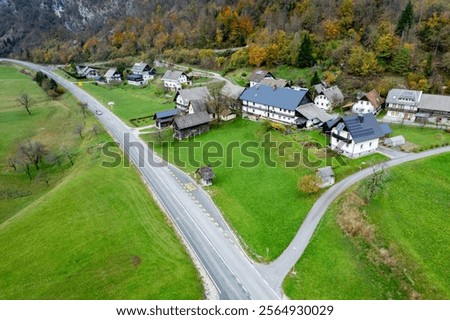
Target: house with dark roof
206 175
275 104
309 115
145 70
136 79
356 135
370 102
258 75
190 125
165 118
402 105
327 98
174 80
113 76
183 97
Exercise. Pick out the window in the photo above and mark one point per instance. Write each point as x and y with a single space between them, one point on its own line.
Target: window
370 144
362 145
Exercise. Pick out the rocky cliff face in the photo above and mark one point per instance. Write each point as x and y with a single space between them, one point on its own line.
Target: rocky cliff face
32 22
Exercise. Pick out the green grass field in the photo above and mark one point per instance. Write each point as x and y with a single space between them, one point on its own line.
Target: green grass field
423 137
95 232
261 202
130 101
410 217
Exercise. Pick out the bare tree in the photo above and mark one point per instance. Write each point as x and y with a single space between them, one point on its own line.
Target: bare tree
216 103
12 162
83 109
96 129
374 183
53 158
43 176
33 151
79 130
25 102
67 153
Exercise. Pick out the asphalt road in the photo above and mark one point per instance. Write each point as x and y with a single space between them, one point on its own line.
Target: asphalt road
209 238
192 211
277 270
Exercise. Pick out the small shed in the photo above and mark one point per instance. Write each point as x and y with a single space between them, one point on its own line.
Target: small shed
191 125
396 141
165 118
227 115
326 176
206 174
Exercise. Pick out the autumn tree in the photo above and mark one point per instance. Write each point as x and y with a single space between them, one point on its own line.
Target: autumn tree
305 56
363 62
434 33
25 102
385 46
346 15
406 20
309 184
257 55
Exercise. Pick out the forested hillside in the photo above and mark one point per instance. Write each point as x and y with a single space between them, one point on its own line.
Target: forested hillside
359 37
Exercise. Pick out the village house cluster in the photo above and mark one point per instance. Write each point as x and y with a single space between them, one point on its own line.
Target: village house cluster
268 98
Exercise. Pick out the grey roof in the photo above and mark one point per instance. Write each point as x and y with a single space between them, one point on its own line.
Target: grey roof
135 77
166 114
193 94
310 111
172 75
192 120
319 87
231 90
259 74
201 105
397 140
334 94
363 127
206 173
435 102
404 97
140 67
110 73
325 172
279 83
284 98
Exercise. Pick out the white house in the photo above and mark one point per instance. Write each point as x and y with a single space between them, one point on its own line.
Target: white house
402 105
174 80
275 104
88 72
146 71
370 102
136 80
356 135
113 76
184 97
258 75
327 98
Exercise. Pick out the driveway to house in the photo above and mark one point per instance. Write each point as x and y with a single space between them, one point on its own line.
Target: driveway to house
277 270
391 153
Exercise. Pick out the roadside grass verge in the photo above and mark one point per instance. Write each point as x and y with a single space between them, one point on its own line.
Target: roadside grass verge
409 217
254 188
94 232
132 102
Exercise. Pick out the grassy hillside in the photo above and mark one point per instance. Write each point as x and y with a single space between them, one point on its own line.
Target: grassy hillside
95 232
407 257
260 201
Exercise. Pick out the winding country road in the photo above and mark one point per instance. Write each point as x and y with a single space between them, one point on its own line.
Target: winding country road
211 242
